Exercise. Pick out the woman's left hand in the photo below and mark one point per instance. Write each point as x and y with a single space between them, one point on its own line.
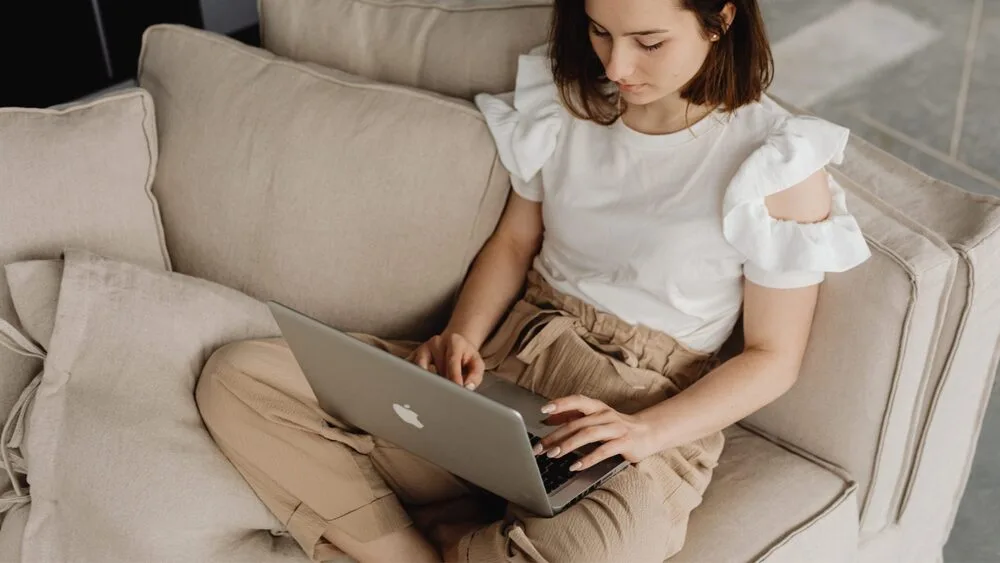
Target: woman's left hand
592 421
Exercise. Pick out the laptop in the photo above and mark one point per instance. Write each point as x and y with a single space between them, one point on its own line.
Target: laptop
483 436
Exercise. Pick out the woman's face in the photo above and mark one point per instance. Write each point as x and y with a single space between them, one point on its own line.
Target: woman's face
651 48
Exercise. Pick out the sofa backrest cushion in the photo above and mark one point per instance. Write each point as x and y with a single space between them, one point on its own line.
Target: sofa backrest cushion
455 47
358 203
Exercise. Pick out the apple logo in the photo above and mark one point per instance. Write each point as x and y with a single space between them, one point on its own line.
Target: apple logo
407 415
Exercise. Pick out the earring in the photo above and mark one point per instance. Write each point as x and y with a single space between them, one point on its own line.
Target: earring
715 37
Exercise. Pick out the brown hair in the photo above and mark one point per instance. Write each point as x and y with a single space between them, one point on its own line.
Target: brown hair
737 70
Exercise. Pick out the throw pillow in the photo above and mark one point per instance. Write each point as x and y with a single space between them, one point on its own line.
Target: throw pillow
34 288
122 468
76 176
11 533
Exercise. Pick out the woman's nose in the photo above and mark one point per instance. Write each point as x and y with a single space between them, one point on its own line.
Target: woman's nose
619 65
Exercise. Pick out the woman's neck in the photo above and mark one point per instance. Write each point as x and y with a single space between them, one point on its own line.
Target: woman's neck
664 116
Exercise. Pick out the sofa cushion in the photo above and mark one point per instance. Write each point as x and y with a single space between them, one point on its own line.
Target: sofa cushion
80 175
120 464
769 502
358 203
12 533
455 47
34 288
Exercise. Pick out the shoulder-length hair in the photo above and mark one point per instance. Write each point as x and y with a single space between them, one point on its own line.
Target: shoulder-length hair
738 69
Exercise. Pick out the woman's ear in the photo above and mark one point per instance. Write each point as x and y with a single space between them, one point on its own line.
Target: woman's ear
728 15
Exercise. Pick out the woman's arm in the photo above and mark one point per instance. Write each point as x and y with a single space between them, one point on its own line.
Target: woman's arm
494 281
497 274
776 326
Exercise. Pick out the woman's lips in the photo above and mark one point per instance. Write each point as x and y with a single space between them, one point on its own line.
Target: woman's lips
631 88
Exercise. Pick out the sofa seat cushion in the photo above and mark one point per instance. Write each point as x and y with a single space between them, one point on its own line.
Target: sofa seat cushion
769 503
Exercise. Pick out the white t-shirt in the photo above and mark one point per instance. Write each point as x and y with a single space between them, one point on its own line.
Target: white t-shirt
660 230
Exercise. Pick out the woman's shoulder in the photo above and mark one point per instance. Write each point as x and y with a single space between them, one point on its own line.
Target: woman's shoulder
766 119
786 157
781 144
526 122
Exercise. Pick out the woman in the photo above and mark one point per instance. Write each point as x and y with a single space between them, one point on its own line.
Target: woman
656 193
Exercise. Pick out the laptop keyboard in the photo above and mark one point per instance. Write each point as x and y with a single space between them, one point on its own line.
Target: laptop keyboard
555 472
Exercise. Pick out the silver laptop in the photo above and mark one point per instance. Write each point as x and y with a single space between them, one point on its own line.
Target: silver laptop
483 436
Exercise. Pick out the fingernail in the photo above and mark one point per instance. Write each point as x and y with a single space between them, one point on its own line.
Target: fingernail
576 466
538 449
554 452
470 386
548 408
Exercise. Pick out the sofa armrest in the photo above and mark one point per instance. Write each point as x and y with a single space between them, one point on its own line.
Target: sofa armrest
866 366
960 379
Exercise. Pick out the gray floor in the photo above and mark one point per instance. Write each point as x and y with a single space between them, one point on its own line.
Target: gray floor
921 79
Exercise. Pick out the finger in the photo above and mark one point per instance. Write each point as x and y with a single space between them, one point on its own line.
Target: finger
455 364
476 369
586 405
422 357
562 418
451 363
555 439
589 435
438 358
606 451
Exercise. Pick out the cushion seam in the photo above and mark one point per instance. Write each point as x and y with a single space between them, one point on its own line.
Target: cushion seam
805 525
125 94
914 436
915 461
802 453
145 99
896 376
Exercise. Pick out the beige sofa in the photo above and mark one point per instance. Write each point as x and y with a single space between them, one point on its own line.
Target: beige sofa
358 184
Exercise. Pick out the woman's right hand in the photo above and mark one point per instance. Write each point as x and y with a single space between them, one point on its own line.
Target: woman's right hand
451 355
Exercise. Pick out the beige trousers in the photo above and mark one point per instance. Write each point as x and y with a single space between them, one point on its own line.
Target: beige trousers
315 474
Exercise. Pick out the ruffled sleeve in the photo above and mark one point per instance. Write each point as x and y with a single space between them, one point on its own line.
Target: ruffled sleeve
788 254
525 123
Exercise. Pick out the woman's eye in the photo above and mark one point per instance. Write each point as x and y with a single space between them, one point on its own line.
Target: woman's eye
653 47
599 32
